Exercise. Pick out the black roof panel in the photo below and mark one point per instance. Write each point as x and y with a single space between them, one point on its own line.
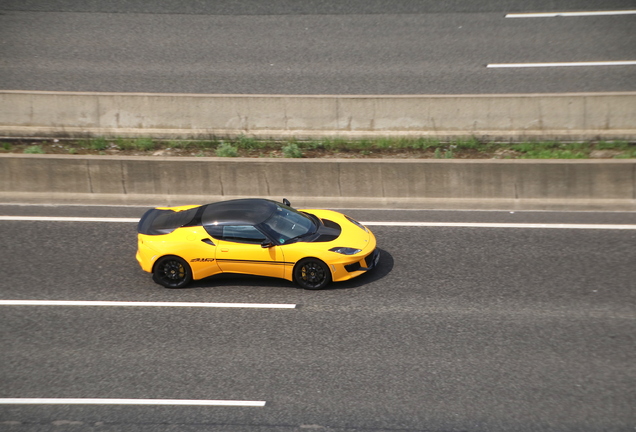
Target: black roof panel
251 211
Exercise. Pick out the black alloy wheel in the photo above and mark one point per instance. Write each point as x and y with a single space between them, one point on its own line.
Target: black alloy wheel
312 274
172 272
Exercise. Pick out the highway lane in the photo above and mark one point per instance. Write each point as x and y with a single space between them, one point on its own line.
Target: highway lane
310 7
458 329
380 215
310 47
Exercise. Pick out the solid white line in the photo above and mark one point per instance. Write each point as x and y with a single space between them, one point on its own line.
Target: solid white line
570 14
143 304
66 219
566 64
501 225
89 401
397 224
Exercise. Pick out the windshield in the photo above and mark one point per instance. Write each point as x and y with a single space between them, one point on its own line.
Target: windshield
287 225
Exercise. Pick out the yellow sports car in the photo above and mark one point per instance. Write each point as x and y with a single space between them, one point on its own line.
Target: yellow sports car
253 236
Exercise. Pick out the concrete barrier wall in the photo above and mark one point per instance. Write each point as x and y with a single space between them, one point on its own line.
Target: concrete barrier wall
502 117
551 184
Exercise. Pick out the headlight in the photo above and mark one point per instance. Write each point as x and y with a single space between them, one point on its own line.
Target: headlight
345 250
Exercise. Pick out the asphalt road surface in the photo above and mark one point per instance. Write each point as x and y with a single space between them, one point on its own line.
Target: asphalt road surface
313 47
458 329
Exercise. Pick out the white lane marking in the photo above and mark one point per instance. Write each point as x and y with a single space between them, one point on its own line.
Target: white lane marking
397 224
66 219
565 64
501 225
90 401
143 304
570 14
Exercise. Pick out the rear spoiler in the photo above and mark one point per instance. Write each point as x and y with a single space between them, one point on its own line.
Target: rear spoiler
158 222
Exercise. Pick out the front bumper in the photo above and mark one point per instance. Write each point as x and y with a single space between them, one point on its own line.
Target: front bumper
349 270
366 264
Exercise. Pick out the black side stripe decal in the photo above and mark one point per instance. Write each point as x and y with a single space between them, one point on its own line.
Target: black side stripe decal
255 262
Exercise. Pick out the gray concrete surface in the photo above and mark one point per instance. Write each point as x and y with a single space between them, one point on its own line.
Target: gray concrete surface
457 329
505 117
474 184
311 46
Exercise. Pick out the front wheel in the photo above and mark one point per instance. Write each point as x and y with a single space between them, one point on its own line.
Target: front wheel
312 274
172 272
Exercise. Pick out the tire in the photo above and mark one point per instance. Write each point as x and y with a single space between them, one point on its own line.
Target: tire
172 272
312 274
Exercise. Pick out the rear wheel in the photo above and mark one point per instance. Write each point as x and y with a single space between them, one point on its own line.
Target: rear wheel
172 272
312 274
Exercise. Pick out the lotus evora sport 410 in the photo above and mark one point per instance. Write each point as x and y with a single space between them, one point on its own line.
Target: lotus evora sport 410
256 237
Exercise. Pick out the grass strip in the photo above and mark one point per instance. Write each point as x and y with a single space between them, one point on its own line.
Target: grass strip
244 146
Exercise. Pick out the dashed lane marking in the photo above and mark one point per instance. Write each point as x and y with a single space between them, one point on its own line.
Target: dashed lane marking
570 14
89 401
564 64
143 304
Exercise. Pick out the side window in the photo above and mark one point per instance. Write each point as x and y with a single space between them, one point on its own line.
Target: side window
215 231
236 233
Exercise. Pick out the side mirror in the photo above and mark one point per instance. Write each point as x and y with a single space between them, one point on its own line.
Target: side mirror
267 244
286 202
